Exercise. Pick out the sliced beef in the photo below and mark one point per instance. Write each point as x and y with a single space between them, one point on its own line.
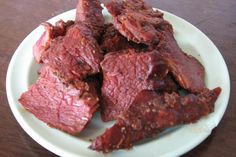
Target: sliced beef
65 106
80 43
187 70
149 27
49 34
136 21
65 65
127 73
75 55
151 113
89 12
112 41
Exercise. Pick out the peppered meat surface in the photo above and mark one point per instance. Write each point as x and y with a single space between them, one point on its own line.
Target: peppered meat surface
80 43
50 33
187 70
65 106
136 21
65 65
113 41
133 68
148 26
75 55
127 73
151 113
89 12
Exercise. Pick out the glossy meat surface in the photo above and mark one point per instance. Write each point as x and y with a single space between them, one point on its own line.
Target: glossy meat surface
151 113
127 73
68 107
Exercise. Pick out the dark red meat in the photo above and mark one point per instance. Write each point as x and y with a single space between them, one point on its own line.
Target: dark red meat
80 43
136 21
89 12
49 34
187 70
148 26
112 41
76 55
65 65
127 73
65 106
151 113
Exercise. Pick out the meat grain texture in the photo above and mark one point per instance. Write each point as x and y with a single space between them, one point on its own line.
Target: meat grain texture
143 73
69 53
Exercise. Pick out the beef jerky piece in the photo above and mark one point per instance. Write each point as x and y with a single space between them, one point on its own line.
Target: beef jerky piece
74 56
136 21
66 66
49 34
80 43
68 107
187 70
150 114
127 73
113 41
89 12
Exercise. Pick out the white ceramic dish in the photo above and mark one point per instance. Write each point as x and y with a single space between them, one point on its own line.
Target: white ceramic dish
174 142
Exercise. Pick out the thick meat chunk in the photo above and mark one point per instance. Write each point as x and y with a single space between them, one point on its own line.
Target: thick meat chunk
89 12
68 107
74 56
113 41
187 70
127 73
80 43
66 66
49 34
151 113
136 21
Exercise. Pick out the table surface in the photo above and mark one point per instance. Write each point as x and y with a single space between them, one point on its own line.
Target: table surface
216 18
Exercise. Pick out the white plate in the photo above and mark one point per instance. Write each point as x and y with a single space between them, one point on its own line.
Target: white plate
22 72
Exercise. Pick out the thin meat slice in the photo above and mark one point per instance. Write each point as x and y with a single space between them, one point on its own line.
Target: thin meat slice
151 113
80 43
187 70
65 106
112 41
89 12
136 21
50 33
127 73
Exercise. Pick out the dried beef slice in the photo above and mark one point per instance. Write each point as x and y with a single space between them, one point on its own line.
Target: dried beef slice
127 73
131 69
150 113
65 106
63 97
